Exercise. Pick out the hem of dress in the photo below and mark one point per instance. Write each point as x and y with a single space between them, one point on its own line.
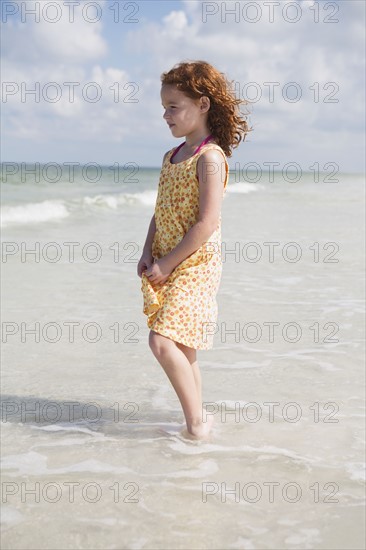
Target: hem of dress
179 341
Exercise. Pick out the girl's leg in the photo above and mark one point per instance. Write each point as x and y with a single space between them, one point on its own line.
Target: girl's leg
191 355
183 379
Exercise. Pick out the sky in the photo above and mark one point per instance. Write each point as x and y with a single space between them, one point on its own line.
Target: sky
96 70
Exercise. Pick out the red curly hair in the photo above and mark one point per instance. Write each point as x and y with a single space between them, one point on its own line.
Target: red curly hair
225 121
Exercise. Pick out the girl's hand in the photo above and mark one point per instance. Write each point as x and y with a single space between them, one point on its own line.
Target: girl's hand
144 263
159 271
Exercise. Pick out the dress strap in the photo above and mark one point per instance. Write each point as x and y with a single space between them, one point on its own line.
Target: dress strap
197 149
203 143
177 149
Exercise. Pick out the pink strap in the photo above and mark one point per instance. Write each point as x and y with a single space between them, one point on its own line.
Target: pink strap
177 149
203 143
198 148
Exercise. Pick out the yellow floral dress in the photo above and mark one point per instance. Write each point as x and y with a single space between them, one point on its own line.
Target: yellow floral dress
184 307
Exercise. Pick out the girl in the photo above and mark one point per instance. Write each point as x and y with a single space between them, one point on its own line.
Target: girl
181 263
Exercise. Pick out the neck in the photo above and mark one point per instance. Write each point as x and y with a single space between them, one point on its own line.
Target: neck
194 140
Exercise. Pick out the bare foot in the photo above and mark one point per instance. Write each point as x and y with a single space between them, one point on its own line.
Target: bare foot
200 431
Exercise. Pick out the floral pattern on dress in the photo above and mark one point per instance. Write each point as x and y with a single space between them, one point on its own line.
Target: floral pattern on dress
184 307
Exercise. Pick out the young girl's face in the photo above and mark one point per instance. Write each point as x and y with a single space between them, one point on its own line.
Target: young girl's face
182 113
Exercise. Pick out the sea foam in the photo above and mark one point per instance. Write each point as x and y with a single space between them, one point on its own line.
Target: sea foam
33 213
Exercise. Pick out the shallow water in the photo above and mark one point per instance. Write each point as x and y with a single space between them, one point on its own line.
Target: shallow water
100 462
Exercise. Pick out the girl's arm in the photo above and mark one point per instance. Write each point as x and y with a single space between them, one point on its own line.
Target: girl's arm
211 167
152 228
150 237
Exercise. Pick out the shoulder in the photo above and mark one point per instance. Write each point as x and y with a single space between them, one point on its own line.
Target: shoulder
214 153
167 154
211 158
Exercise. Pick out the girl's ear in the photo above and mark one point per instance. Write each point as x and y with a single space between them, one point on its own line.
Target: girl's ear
204 103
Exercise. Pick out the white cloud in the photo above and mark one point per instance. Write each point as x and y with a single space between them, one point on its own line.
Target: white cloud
43 53
175 24
66 41
75 42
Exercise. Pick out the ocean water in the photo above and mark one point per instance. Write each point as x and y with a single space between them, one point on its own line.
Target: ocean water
92 455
